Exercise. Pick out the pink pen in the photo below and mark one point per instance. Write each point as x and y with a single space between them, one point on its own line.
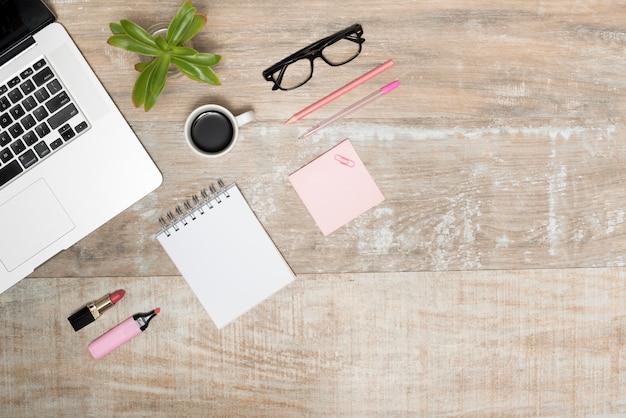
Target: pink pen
340 92
121 334
353 107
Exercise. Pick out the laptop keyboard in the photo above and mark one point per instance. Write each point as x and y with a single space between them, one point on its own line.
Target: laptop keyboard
37 117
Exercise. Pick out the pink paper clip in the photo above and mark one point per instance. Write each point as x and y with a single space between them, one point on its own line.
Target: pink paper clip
343 160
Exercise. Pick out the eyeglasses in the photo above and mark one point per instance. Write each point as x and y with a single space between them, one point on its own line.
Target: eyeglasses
337 49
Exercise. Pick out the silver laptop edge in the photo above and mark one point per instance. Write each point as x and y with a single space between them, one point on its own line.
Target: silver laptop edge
85 183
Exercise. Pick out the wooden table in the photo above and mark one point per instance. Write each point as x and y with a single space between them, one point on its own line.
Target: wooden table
490 282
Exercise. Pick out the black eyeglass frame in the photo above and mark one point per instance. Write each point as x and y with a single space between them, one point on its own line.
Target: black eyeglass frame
312 52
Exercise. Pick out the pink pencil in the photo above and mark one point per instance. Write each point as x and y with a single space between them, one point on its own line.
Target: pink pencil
353 107
341 91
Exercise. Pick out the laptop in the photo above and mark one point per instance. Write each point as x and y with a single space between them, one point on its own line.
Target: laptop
69 162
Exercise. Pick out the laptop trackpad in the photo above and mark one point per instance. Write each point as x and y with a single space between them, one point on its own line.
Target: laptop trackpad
33 220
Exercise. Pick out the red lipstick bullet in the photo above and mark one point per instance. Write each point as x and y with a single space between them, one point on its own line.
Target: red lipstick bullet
93 310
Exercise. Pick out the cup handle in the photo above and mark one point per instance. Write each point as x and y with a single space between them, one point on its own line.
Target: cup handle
245 118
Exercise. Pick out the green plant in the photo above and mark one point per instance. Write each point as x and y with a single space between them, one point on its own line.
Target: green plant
169 51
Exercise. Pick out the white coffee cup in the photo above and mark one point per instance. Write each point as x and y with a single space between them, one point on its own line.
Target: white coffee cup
212 130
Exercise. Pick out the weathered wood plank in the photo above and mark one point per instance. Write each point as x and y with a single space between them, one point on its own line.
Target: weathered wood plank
489 343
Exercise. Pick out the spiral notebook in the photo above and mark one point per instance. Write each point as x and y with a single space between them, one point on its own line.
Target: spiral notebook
222 250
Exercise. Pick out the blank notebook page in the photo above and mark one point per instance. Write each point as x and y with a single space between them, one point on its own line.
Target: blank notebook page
226 256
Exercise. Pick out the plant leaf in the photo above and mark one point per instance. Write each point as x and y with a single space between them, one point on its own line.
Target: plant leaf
151 82
116 28
163 46
140 89
156 84
140 66
194 27
202 59
184 8
175 22
130 44
137 33
182 50
178 26
196 72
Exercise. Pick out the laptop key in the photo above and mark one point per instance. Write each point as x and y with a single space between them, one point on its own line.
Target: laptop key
30 138
57 102
5 120
29 103
27 87
6 155
26 73
42 95
40 113
66 132
54 86
42 130
62 116
5 139
15 95
9 172
18 147
17 112
43 76
4 103
16 130
28 158
14 82
28 122
56 143
39 64
42 149
80 127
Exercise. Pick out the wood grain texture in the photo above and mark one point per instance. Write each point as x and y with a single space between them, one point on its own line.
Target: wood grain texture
495 343
489 283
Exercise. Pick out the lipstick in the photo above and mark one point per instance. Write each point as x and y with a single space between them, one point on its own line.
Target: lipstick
93 310
121 334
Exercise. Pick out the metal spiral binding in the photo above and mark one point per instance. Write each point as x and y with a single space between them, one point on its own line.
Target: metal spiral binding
189 212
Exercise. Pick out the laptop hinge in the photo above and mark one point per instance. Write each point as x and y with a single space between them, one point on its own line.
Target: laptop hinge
16 49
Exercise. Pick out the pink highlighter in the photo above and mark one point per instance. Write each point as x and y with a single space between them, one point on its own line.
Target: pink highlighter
121 334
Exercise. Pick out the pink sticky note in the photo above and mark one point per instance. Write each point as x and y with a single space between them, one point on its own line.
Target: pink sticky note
336 187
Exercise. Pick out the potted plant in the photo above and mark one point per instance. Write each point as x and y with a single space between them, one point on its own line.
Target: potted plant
165 52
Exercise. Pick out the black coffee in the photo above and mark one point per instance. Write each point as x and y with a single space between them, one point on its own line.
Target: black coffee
212 132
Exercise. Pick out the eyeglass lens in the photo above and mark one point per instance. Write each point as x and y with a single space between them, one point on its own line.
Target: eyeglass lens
299 72
341 51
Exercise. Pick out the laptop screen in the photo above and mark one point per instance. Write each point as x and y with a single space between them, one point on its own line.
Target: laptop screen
20 18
